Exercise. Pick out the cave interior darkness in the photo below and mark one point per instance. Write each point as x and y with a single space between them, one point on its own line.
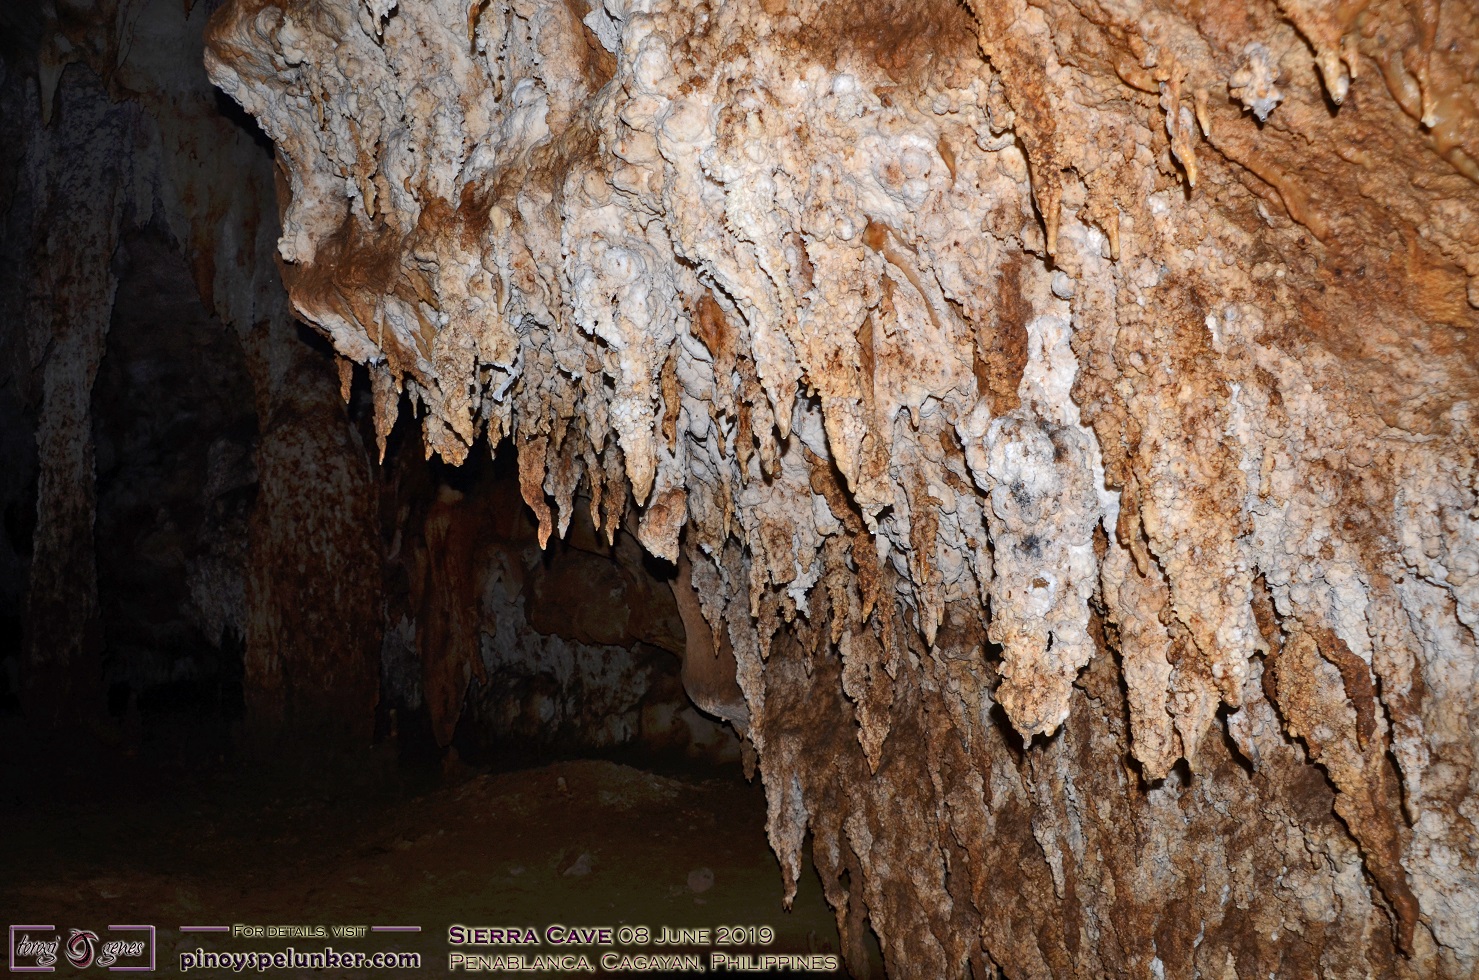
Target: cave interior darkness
573 699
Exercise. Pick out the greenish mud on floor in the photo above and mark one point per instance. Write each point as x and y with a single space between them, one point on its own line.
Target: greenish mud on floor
588 844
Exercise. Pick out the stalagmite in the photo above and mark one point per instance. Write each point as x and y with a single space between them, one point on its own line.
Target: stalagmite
1073 451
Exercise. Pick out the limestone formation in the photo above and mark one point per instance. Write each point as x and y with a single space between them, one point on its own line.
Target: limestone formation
1062 411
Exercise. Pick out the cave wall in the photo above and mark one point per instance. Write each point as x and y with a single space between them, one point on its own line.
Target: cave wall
140 201
1063 409
510 652
173 433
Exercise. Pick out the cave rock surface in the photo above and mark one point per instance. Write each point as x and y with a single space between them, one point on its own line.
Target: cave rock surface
1062 412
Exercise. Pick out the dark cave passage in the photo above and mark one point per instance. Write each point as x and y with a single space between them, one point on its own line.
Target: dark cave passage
321 687
529 755
251 551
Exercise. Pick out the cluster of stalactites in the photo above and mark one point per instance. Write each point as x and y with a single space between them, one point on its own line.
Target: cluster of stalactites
944 328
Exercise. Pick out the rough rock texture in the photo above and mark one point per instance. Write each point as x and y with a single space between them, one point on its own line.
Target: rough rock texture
507 650
1098 373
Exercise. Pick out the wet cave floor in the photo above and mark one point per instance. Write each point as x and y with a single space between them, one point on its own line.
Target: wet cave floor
579 843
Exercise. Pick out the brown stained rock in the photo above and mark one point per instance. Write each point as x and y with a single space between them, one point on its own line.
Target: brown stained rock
445 595
1001 352
967 349
63 321
708 662
313 579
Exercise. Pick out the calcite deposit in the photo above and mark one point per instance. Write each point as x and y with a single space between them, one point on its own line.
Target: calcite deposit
1062 412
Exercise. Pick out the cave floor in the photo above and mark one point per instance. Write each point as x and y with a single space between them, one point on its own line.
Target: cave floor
582 843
